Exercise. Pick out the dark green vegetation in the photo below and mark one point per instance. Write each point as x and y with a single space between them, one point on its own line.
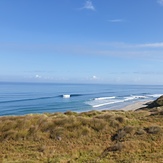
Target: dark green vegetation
94 136
153 105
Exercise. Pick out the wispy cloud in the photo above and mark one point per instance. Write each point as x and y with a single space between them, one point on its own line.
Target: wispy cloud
160 2
152 45
116 20
149 72
150 51
153 50
89 5
156 45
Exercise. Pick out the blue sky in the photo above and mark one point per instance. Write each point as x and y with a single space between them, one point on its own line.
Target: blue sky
82 41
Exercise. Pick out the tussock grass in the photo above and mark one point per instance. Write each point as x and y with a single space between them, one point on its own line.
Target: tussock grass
94 136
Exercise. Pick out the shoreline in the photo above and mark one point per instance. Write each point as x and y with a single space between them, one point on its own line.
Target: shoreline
135 106
130 107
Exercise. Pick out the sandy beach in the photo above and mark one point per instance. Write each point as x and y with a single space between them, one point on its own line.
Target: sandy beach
135 106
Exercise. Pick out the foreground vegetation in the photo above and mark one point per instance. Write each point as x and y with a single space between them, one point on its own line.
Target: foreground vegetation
89 137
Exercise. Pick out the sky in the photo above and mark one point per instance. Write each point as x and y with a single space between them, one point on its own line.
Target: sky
82 41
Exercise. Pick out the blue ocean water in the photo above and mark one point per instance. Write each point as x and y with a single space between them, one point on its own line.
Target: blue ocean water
26 98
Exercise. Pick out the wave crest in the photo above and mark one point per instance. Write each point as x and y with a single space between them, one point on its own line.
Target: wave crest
104 98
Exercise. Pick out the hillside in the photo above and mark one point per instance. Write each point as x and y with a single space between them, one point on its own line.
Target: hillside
94 136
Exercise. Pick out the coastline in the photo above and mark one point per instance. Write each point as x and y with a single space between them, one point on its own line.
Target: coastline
135 106
70 136
130 107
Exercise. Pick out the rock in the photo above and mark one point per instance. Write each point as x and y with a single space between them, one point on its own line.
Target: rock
155 106
158 102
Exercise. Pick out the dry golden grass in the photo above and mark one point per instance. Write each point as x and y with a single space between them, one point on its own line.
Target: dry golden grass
89 137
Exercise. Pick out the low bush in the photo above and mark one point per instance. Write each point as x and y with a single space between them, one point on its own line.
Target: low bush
57 132
119 136
98 124
107 117
8 135
114 123
116 147
71 113
120 119
140 131
153 129
91 113
128 129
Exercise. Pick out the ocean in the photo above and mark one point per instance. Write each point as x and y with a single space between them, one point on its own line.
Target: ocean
31 98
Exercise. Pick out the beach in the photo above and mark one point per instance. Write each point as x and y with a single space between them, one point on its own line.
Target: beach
135 106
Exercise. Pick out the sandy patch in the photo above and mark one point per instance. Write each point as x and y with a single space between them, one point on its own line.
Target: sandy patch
135 106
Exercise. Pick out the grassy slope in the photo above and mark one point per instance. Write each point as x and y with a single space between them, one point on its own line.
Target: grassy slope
107 136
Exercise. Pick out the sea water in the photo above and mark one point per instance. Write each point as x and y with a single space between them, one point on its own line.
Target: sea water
27 98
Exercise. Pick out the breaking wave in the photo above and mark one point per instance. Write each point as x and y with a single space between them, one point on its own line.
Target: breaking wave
112 100
104 98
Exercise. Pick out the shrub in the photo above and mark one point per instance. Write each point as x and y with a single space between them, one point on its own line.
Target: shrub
56 133
8 135
21 135
97 124
8 125
91 113
119 136
120 119
42 148
34 134
72 123
47 126
117 147
128 129
140 131
114 123
70 113
64 121
41 120
153 129
85 121
106 117
85 131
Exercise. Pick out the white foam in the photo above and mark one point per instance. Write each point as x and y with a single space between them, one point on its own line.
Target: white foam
66 96
104 104
105 98
104 101
134 97
155 95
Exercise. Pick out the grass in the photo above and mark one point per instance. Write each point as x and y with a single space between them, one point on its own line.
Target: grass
94 136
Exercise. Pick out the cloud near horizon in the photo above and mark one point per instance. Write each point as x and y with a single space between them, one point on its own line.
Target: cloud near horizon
38 77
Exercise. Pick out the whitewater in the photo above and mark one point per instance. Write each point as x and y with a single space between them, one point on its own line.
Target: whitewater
32 98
